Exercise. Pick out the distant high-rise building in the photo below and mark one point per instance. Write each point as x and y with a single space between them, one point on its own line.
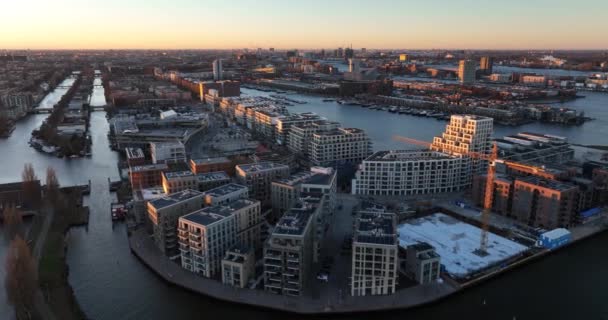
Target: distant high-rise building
466 71
217 69
349 53
271 49
353 65
340 53
403 57
486 64
363 50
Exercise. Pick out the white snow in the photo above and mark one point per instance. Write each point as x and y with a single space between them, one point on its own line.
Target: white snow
455 241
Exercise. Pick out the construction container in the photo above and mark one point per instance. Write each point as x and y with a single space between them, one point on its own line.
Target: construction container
555 238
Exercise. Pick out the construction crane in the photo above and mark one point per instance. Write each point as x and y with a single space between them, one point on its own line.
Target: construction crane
489 189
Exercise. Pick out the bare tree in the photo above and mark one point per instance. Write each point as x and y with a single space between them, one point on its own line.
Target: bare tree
52 184
30 184
21 280
13 222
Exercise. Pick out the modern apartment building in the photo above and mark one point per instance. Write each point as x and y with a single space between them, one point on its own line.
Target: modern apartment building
300 135
466 134
286 192
238 266
285 123
423 264
212 165
146 176
210 180
167 152
225 194
375 253
288 253
403 173
177 181
204 237
545 203
338 146
249 221
258 178
466 71
164 213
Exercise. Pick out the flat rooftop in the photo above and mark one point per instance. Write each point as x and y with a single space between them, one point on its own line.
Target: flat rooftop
212 176
225 189
174 198
407 155
210 160
134 153
150 167
294 222
455 242
375 228
177 174
547 183
261 166
295 178
208 215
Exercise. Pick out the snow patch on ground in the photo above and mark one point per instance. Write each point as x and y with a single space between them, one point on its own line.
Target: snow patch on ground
455 242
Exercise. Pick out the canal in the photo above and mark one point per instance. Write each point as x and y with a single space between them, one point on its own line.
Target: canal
110 283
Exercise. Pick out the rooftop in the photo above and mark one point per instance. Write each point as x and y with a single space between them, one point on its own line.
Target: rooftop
212 176
208 215
547 183
150 167
175 198
261 166
177 174
375 227
225 189
407 155
210 160
295 221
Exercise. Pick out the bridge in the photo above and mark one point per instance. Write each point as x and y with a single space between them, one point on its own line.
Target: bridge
40 110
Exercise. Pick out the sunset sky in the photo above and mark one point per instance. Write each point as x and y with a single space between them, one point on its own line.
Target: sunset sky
194 24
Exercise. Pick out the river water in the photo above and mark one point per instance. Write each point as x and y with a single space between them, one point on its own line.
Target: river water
110 283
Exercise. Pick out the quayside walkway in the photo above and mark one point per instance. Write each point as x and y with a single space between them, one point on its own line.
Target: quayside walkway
335 302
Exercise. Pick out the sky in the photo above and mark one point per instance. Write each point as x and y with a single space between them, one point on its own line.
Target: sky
286 24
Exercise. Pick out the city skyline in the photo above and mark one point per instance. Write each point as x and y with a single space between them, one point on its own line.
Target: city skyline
188 24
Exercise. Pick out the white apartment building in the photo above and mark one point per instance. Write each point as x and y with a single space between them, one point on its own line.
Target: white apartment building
410 172
466 134
375 258
285 123
167 152
204 237
342 145
300 135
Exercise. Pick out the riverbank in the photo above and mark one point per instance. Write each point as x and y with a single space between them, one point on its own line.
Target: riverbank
143 248
57 297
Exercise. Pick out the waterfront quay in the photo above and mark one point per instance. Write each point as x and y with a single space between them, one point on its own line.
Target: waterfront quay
336 300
